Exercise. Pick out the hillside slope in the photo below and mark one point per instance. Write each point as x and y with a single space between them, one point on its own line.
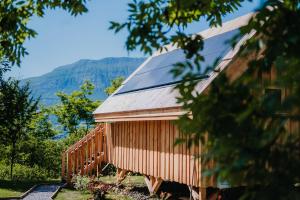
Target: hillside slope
68 78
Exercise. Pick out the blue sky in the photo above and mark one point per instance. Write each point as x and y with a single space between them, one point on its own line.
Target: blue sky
63 39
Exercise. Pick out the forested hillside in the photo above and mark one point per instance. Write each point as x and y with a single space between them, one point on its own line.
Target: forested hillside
68 78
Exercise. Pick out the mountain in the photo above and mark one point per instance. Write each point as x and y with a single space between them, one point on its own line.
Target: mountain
68 78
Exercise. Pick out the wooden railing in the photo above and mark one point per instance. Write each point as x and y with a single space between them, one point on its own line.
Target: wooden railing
85 156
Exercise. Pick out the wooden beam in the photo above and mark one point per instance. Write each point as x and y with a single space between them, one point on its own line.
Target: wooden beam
171 113
86 157
153 183
97 170
195 194
69 171
82 152
121 175
75 161
63 168
157 184
95 138
202 193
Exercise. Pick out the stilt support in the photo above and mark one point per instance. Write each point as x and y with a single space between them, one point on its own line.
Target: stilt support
153 184
195 193
202 193
121 175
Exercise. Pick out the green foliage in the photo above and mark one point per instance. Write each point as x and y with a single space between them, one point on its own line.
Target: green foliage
17 108
14 29
154 23
76 109
110 170
247 131
26 134
73 138
43 153
114 85
23 172
81 182
41 126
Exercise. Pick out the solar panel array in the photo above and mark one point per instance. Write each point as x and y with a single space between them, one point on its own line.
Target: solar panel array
156 72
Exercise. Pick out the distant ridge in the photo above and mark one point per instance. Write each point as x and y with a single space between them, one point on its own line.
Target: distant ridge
68 78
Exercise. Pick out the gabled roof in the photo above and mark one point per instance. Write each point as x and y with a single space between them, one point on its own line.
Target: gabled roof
148 91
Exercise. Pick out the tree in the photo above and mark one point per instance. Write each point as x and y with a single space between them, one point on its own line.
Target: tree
76 108
114 85
17 108
44 153
38 148
247 135
41 126
14 18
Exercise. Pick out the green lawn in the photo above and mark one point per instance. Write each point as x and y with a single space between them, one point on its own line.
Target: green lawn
17 188
129 180
72 194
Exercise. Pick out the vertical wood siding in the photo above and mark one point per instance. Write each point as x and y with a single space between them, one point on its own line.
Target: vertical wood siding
148 147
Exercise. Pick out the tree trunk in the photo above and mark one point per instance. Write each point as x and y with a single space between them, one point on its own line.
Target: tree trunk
12 159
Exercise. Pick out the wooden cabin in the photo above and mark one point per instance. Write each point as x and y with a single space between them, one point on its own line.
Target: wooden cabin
136 131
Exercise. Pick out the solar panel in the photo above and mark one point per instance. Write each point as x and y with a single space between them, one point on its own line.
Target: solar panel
156 72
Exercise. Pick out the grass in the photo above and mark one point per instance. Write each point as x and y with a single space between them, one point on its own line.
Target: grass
17 188
129 180
72 194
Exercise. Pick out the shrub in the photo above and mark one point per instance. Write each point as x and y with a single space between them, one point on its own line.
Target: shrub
81 182
4 171
99 189
46 154
23 172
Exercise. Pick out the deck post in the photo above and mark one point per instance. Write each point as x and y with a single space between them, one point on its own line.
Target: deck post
75 161
63 168
69 171
81 159
96 144
97 170
86 153
89 157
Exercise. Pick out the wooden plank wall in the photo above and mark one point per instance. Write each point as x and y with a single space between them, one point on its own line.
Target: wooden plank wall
268 80
148 147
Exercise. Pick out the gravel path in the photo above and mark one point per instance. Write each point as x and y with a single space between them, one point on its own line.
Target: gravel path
42 192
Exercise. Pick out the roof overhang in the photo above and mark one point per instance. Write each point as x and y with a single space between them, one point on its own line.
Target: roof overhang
171 113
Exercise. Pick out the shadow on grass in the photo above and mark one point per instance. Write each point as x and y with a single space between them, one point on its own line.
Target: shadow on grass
23 186
140 189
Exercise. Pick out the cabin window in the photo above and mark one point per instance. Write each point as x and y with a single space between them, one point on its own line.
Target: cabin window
273 97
